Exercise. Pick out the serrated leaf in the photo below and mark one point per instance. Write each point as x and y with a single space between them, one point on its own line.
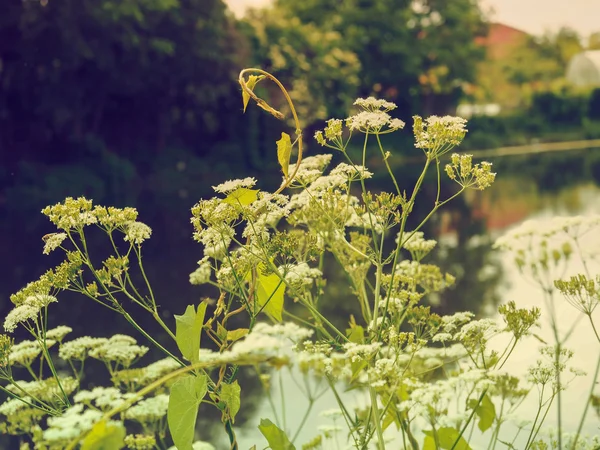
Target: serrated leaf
284 152
447 437
104 436
242 196
188 328
486 411
276 437
269 290
234 335
230 394
250 83
185 398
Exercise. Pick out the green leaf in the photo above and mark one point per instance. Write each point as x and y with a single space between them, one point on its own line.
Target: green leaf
230 394
251 83
235 335
447 437
186 395
242 196
188 329
221 332
486 411
429 443
269 292
276 437
284 151
356 334
104 436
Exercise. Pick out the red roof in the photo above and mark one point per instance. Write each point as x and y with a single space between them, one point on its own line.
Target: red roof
501 40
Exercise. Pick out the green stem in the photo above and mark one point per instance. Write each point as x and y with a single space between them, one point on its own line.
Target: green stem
587 404
463 429
376 418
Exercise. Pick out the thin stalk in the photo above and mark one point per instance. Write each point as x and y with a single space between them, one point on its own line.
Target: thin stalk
587 403
376 418
463 429
387 165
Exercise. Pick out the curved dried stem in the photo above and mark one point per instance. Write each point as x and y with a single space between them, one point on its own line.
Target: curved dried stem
264 105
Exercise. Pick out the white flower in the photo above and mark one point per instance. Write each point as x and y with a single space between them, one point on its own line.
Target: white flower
202 273
137 232
13 405
368 121
232 185
24 353
439 134
416 243
53 241
58 333
80 347
28 310
299 275
149 410
351 172
358 352
373 104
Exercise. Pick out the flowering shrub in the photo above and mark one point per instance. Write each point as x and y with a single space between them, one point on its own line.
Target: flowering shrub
429 380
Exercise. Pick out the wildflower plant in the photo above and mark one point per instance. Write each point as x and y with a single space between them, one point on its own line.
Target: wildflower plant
428 380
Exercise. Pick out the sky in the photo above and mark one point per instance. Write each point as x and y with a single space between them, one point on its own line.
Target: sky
532 16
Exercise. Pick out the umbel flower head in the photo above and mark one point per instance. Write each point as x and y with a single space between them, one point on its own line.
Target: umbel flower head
438 135
462 170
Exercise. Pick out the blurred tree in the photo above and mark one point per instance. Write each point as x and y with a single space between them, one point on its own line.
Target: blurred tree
541 63
137 73
418 53
594 41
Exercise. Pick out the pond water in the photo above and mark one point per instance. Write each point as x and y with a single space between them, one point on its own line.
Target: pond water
525 188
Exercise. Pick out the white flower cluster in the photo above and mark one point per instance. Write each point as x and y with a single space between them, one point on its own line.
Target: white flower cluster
46 390
72 424
149 410
373 122
216 240
441 395
264 343
25 352
79 348
559 228
53 241
72 213
137 232
104 398
310 169
13 406
373 104
462 170
58 333
437 135
416 243
298 276
232 185
26 311
351 173
119 349
360 352
202 273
